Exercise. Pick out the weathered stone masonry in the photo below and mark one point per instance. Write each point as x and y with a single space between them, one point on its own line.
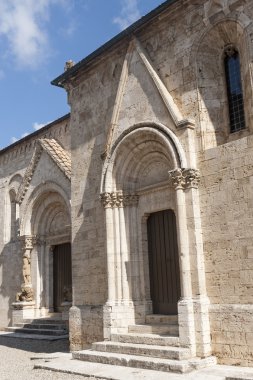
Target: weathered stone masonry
150 131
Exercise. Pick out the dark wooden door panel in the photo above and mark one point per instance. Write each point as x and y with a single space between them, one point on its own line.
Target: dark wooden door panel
163 262
62 274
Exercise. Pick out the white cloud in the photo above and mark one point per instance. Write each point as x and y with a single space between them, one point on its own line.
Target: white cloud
38 126
13 140
22 24
129 14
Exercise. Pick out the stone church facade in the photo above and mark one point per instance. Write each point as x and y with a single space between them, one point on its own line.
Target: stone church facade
150 180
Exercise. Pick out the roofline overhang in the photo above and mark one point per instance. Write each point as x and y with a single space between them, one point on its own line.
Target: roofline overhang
128 32
34 134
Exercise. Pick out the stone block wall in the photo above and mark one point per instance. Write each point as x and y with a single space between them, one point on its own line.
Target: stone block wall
179 44
227 222
14 161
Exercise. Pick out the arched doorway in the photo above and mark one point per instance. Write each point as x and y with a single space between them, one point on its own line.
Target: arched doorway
47 221
135 189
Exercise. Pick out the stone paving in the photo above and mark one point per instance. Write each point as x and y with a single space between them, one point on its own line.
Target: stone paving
30 359
16 363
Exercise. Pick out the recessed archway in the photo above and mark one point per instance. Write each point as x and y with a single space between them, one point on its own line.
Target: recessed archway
136 184
47 220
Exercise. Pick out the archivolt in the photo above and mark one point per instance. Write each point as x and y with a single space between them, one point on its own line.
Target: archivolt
43 204
138 148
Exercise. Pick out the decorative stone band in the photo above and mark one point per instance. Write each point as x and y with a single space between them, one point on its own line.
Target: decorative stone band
185 178
118 199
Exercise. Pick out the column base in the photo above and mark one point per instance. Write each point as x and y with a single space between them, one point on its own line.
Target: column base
194 327
186 324
118 315
22 310
201 306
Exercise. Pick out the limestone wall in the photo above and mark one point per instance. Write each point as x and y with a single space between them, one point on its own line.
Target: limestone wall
13 163
185 49
227 221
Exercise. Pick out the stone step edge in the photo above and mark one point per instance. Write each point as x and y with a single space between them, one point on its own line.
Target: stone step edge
43 320
42 326
157 351
161 319
24 330
154 326
164 365
164 339
18 335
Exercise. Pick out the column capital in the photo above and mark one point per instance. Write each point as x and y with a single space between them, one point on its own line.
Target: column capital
177 178
185 178
118 199
192 178
29 241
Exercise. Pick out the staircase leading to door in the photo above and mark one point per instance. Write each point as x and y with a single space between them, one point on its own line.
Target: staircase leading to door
49 328
154 345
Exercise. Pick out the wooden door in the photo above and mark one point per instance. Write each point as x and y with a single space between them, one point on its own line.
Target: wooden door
62 275
163 262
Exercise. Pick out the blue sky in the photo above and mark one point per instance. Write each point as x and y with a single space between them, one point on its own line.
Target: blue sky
37 37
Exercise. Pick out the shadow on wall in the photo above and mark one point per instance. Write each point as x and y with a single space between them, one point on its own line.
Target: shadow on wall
211 79
11 270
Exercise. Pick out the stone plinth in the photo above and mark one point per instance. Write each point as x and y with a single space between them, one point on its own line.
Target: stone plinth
22 310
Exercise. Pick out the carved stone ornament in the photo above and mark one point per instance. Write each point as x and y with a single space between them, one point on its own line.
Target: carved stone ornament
185 178
192 178
29 241
177 178
118 199
26 294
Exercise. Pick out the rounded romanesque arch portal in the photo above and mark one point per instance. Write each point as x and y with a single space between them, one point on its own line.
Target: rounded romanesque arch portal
146 176
136 184
47 222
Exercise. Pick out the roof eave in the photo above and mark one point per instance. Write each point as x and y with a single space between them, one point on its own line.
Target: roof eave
63 78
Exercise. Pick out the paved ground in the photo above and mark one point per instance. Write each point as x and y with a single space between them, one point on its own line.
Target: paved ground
18 357
16 363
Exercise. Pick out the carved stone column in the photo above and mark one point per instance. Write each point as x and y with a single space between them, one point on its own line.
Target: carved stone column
200 300
178 181
24 306
26 287
120 218
194 329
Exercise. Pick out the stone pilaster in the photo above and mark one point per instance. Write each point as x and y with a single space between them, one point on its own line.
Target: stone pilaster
193 307
120 215
185 305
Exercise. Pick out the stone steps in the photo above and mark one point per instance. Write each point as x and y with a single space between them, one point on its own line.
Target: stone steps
154 346
161 329
36 331
50 326
162 352
161 319
47 321
151 339
135 361
44 327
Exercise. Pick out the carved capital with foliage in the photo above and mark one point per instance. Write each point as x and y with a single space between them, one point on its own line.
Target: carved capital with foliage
177 178
118 199
192 178
185 178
